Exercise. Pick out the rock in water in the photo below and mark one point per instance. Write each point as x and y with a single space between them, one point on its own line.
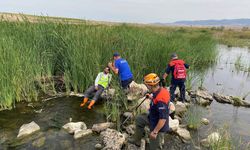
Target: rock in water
183 133
98 146
73 126
213 137
102 126
173 124
204 94
81 133
236 101
205 121
28 129
112 139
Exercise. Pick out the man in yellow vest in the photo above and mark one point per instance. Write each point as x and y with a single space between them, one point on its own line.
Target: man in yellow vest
102 81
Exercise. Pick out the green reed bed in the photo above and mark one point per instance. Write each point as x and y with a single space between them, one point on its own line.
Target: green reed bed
34 51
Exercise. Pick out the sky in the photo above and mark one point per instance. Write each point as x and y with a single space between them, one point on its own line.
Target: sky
134 11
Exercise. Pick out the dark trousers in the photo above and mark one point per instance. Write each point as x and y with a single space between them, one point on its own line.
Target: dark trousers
181 85
91 90
125 83
142 121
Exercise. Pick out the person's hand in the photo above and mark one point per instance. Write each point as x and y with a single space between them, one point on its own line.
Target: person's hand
148 95
110 64
153 135
96 87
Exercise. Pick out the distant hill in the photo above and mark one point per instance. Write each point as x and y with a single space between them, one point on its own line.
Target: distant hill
224 22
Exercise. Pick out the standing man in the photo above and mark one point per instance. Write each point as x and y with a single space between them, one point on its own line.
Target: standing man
178 69
102 82
158 117
122 68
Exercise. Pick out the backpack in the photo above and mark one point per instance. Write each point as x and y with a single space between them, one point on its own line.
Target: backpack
179 71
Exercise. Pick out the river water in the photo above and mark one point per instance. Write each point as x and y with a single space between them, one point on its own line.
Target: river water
223 78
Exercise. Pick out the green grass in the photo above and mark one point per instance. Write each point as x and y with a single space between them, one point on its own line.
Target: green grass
193 116
33 51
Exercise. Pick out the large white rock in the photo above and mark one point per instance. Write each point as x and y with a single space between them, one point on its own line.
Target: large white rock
73 126
102 126
112 139
183 133
173 124
213 137
82 133
136 90
180 108
28 129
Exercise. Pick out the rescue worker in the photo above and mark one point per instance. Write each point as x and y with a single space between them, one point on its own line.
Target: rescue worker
122 68
178 69
157 118
102 82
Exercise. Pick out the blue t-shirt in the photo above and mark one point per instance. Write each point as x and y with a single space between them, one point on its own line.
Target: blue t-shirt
124 69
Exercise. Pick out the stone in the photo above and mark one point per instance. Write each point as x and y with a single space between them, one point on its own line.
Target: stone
98 146
112 139
213 137
82 133
173 124
136 91
236 101
128 114
144 107
130 129
205 121
73 126
180 108
28 129
102 126
76 94
183 133
204 94
39 142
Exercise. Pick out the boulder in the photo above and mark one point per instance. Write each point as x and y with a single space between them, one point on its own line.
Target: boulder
39 142
82 133
130 129
213 137
201 97
144 107
112 139
136 90
98 146
73 126
28 129
173 124
204 94
180 108
205 121
183 133
236 101
102 126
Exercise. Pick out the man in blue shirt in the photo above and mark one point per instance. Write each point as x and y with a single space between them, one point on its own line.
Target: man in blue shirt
122 68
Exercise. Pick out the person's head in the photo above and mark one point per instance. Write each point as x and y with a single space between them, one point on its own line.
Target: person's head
152 82
106 70
174 56
116 56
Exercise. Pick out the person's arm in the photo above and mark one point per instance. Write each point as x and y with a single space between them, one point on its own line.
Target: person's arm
186 66
97 79
167 72
163 110
113 68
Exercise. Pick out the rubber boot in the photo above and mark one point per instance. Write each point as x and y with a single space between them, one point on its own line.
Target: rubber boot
92 102
85 100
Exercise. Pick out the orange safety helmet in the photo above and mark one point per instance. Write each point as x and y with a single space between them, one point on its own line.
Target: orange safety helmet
151 79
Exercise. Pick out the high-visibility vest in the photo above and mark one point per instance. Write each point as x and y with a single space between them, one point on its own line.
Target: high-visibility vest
104 80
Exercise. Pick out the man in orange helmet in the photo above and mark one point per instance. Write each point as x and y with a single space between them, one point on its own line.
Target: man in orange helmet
158 116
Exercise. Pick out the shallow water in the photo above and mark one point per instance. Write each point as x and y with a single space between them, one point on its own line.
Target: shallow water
226 79
55 113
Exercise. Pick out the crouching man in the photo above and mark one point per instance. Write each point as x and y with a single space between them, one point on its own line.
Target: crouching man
157 118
